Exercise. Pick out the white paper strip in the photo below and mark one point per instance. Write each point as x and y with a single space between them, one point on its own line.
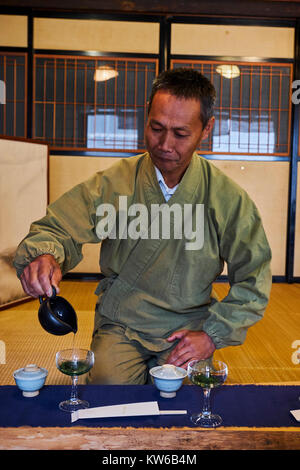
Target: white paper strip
296 414
128 409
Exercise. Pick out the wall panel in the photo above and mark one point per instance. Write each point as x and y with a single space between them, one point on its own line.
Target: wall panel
66 172
251 41
24 198
267 184
94 35
13 31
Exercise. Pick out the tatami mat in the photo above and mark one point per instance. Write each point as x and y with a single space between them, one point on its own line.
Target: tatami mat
265 357
26 342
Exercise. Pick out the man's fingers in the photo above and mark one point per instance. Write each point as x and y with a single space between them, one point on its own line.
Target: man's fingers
24 285
30 283
181 357
38 277
192 345
182 348
56 278
177 335
44 274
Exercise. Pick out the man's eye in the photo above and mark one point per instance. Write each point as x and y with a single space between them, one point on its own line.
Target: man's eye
181 136
156 129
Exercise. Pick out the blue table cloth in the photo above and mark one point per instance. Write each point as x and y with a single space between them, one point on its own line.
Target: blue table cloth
239 405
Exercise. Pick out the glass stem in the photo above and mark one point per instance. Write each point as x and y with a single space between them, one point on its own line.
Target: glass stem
74 396
206 403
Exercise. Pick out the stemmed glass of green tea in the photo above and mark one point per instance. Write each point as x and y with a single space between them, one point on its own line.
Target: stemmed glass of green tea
207 374
74 362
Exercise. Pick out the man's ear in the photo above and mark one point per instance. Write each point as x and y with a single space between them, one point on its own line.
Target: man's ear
208 128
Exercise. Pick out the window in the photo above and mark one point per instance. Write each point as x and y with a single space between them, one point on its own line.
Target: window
253 107
78 106
13 106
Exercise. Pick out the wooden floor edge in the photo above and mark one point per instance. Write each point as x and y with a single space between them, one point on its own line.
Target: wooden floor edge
93 438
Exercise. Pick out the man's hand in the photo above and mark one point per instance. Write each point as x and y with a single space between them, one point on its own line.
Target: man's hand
191 345
40 275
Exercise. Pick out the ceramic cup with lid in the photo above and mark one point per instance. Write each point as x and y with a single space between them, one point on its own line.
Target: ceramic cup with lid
168 379
30 379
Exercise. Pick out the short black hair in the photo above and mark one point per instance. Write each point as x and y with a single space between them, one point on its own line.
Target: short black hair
187 83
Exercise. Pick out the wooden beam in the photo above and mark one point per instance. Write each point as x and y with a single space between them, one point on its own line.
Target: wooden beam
227 8
95 438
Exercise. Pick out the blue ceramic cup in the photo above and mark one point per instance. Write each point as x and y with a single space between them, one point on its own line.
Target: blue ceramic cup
30 379
168 379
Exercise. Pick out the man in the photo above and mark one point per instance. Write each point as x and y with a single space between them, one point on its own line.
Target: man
155 303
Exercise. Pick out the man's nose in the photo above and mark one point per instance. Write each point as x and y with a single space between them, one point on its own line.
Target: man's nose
166 142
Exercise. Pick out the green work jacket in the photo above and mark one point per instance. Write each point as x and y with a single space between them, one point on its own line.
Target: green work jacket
155 286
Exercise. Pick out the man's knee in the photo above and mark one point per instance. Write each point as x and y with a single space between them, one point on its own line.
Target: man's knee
118 370
117 360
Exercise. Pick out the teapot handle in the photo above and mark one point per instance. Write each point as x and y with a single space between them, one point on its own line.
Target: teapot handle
41 298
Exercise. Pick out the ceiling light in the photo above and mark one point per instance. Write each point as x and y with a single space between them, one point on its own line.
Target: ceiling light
104 72
228 71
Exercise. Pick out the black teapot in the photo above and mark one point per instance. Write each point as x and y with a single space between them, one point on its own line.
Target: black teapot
56 315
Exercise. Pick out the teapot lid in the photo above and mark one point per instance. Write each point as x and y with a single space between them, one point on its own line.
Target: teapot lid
30 371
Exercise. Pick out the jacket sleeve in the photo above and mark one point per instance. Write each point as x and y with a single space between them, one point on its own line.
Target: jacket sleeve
67 225
245 249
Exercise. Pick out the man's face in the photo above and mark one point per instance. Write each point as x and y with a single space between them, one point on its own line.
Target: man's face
173 132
